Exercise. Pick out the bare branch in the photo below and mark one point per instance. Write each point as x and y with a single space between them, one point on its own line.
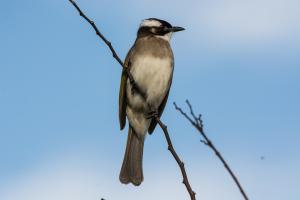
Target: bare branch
176 157
138 90
198 124
108 43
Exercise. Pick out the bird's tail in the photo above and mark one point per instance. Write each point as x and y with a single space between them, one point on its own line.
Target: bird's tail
132 169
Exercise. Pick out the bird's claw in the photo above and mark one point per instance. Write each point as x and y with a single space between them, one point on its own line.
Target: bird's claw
152 114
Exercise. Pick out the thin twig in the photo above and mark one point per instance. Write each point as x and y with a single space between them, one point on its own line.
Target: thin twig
138 90
108 43
176 157
198 124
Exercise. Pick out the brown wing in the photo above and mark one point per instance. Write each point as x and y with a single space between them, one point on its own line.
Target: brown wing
122 94
160 111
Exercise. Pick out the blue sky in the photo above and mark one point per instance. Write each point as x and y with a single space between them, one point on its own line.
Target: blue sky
237 62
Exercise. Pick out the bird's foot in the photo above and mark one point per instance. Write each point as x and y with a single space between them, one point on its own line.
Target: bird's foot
152 114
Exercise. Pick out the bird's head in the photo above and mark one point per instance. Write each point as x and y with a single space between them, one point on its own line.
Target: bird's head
158 28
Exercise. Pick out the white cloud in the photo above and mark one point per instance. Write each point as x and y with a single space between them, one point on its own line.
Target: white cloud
77 179
63 180
249 21
73 178
231 20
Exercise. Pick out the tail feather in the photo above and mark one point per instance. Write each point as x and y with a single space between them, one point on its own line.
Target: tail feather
132 169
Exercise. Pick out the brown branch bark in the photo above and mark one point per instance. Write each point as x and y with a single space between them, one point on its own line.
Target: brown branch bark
138 90
176 157
197 122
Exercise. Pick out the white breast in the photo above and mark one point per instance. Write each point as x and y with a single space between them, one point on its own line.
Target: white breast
153 75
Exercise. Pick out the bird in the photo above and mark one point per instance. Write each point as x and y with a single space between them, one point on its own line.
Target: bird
150 62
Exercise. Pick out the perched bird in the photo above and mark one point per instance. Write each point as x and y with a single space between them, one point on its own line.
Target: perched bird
150 62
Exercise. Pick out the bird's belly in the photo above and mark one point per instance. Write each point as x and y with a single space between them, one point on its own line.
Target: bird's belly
153 75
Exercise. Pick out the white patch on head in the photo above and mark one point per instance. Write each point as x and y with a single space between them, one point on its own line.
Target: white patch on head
150 22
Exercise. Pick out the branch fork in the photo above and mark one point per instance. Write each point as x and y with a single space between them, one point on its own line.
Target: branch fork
198 124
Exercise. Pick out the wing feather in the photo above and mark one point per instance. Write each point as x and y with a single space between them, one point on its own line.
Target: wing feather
122 94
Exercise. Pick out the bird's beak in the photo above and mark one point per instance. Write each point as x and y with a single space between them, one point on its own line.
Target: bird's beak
176 29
